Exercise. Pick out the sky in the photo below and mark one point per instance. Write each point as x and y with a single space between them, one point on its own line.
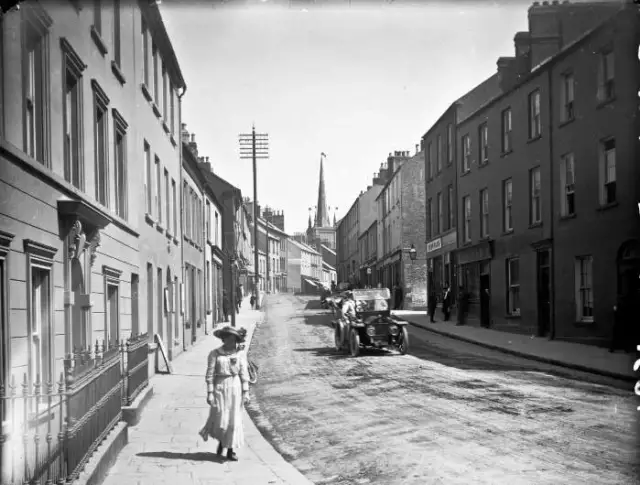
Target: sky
353 82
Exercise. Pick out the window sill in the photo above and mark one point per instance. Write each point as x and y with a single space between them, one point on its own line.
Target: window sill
168 234
165 127
467 243
149 219
483 164
159 228
173 140
566 122
117 72
175 240
484 238
97 39
506 153
568 217
587 322
146 93
535 138
465 172
513 316
535 224
610 205
156 110
605 102
507 233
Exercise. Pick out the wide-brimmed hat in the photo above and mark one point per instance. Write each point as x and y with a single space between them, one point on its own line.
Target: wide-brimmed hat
239 334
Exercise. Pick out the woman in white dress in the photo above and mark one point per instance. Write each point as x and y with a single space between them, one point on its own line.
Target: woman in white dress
227 391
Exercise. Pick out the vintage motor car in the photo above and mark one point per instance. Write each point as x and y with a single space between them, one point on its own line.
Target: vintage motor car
373 327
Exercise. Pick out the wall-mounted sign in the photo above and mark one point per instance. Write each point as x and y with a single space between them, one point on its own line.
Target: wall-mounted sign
434 245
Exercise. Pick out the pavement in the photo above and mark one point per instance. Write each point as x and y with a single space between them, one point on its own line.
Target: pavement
165 448
586 358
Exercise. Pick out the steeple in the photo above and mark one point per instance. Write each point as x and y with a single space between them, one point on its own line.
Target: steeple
322 217
310 225
334 220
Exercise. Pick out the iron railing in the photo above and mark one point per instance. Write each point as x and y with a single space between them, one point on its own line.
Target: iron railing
50 430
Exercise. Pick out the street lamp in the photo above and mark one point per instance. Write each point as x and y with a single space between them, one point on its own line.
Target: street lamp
413 252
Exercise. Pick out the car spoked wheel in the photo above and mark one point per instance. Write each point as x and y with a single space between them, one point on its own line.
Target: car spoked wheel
403 346
354 343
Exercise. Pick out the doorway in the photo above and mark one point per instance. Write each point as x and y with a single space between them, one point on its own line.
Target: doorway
485 295
544 292
628 300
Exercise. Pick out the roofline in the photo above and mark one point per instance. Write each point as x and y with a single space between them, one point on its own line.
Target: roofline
328 249
195 170
452 107
153 17
541 68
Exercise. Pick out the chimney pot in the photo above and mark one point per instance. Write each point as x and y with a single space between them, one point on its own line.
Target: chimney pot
184 126
193 137
545 3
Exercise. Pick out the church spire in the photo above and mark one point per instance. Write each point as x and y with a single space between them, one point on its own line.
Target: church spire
310 225
322 217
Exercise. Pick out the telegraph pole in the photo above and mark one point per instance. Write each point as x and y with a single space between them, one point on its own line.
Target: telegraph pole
255 146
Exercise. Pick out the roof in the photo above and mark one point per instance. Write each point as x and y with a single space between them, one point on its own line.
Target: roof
328 249
484 92
309 249
418 155
329 267
191 164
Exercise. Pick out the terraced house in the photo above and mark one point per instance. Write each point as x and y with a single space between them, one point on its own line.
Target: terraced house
88 110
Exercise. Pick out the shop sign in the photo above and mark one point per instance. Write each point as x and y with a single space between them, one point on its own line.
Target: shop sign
434 245
449 239
475 253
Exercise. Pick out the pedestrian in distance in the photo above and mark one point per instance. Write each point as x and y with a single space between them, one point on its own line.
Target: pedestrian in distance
225 305
252 301
398 297
433 303
239 296
446 303
227 381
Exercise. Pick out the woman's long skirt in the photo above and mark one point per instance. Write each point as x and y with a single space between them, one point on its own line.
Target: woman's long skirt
225 415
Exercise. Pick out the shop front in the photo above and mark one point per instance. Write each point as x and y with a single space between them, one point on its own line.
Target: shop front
474 275
441 266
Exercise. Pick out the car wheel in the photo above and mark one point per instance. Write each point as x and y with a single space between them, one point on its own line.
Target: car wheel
403 346
354 343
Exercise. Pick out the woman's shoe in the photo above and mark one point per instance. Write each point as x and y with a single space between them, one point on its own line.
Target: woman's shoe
219 451
231 455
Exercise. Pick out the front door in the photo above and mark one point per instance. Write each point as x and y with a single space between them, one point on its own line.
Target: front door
544 293
485 295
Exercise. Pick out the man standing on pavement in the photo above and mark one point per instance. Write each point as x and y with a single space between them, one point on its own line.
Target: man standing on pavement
463 305
238 297
225 305
433 303
446 303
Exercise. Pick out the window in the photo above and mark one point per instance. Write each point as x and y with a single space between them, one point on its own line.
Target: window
120 141
145 52
506 130
449 144
165 99
173 114
208 287
534 196
608 171
156 84
159 304
430 160
507 187
466 153
217 230
72 115
450 210
513 286
187 211
430 232
567 185
439 154
167 199
100 130
135 308
566 113
97 15
484 213
175 207
535 129
207 221
116 33
158 189
5 334
111 305
35 84
150 305
40 311
483 141
439 207
606 81
584 288
466 205
148 184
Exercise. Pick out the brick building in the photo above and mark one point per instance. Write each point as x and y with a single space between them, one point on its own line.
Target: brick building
528 207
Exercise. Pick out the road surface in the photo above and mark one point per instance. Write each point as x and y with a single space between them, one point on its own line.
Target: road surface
451 412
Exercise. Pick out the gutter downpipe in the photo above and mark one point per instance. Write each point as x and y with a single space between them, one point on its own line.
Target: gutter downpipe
180 313
552 283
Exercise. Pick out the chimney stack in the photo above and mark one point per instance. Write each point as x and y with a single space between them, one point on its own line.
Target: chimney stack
193 146
185 133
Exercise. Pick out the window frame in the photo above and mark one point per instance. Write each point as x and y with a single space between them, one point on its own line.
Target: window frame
439 213
507 205
73 67
40 256
567 109
607 186
135 304
120 163
148 179
144 31
483 143
511 286
101 103
466 153
580 289
97 16
466 219
111 278
567 189
606 84
429 219
117 40
484 212
5 328
451 207
156 83
449 143
175 207
535 116
439 154
535 196
158 187
506 118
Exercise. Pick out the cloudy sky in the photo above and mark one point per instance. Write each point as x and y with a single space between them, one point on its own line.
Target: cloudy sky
353 82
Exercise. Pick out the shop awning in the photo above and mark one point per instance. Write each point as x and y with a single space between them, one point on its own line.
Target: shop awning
309 281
